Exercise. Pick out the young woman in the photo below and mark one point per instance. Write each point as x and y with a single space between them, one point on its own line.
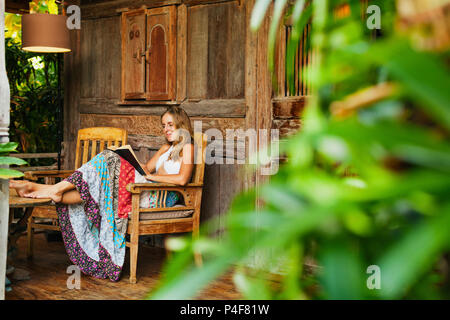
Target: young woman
93 204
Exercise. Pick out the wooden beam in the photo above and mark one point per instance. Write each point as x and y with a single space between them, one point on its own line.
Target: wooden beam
288 108
115 8
204 2
38 168
137 141
34 155
151 124
229 108
287 127
211 108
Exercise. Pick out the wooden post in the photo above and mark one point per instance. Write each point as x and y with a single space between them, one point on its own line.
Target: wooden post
4 137
134 237
258 95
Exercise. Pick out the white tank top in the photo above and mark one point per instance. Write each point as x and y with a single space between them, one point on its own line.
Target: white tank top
170 166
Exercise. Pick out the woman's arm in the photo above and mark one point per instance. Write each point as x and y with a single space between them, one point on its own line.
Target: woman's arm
186 168
150 166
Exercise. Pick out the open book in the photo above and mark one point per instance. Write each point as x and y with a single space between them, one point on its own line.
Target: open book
127 153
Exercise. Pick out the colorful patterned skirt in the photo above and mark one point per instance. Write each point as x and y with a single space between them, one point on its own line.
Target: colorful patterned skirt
94 231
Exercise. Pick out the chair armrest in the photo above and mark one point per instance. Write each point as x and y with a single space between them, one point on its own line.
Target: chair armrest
139 187
34 175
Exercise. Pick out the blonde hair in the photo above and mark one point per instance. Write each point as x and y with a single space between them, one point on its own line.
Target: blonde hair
183 130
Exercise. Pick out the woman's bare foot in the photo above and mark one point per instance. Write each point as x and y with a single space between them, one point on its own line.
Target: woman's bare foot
28 189
23 187
55 192
50 191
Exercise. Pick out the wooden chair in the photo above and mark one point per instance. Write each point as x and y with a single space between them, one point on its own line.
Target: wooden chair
162 220
90 142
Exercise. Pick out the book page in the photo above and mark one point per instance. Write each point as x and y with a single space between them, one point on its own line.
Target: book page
135 162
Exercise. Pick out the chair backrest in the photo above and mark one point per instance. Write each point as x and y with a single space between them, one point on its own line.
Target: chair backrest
201 140
91 141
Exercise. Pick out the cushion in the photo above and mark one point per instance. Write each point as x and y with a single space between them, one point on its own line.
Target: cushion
165 214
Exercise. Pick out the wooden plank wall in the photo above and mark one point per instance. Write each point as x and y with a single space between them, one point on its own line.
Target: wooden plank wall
214 92
216 53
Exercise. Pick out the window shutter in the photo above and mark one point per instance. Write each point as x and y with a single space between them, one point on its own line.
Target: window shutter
161 53
133 55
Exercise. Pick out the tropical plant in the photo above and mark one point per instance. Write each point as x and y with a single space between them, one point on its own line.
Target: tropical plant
43 6
367 179
5 149
13 27
33 84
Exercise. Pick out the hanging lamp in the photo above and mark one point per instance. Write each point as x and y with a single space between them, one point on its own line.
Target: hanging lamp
43 32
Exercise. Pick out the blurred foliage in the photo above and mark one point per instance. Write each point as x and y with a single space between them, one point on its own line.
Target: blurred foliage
43 6
33 84
13 27
370 188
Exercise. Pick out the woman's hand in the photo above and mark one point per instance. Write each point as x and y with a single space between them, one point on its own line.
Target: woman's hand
144 167
149 177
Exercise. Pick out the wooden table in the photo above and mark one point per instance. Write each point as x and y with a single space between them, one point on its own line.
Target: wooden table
18 202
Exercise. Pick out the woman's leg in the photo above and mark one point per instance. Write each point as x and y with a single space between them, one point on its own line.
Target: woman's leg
71 197
63 191
24 188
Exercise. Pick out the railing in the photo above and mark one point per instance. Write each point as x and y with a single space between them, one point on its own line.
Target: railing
53 155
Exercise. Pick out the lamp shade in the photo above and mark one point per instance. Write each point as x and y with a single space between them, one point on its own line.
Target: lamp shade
42 32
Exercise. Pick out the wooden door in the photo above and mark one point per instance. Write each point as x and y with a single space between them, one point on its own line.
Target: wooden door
161 53
133 55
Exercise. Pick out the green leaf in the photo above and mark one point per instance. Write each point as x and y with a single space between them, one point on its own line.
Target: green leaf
343 274
9 173
251 287
414 254
291 280
12 160
422 74
8 147
273 30
258 13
